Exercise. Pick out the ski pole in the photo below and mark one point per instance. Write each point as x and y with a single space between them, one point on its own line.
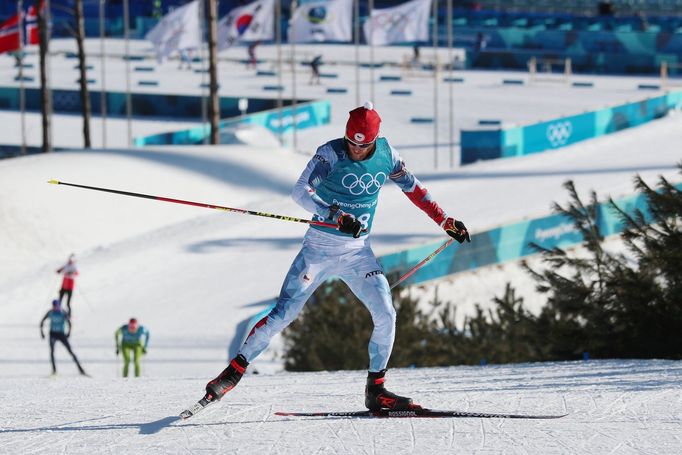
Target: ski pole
424 261
198 204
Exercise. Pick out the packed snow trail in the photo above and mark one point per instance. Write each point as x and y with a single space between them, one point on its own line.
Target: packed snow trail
621 407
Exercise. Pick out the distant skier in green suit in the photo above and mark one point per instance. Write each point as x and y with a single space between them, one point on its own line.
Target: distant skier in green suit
129 339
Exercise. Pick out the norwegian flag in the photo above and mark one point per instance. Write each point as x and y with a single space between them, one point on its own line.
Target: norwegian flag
9 30
9 34
32 35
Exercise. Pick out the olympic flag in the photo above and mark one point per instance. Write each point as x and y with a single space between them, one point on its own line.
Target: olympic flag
408 22
177 30
322 21
252 22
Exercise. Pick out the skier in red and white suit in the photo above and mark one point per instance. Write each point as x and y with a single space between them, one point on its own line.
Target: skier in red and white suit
341 185
70 272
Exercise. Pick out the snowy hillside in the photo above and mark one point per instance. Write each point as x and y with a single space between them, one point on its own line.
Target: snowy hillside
179 268
196 277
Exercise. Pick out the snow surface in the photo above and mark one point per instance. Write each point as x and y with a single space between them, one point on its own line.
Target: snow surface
195 277
616 407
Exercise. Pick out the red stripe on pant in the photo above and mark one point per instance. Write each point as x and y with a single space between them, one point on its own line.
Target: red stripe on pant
260 323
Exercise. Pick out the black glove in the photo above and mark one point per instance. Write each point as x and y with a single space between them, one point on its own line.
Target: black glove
456 230
117 350
144 350
349 225
42 335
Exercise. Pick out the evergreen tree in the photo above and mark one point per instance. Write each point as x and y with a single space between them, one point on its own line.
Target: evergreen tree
579 307
651 293
608 304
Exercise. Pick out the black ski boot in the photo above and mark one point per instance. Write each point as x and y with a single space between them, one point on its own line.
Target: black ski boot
226 380
377 397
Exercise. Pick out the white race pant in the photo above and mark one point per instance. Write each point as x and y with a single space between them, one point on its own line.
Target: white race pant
322 256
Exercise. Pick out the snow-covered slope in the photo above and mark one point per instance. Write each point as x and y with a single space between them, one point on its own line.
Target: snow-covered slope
618 407
175 265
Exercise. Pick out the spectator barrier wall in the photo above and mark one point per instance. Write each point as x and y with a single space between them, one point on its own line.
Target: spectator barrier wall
307 115
559 132
507 243
160 105
261 111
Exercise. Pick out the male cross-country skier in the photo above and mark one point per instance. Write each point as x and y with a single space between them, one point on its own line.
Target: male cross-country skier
59 320
129 339
341 185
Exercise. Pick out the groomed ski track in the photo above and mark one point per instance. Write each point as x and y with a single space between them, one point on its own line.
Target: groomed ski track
620 407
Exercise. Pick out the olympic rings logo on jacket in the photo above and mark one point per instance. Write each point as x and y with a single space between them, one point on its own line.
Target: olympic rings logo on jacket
366 183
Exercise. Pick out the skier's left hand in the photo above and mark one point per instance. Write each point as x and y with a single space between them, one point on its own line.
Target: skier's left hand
456 230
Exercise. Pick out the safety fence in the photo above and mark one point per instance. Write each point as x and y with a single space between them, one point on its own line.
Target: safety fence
259 111
159 105
488 144
508 243
280 121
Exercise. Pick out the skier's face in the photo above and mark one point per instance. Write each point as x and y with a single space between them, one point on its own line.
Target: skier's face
358 152
132 327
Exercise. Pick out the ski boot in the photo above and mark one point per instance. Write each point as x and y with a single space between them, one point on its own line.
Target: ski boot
377 397
226 380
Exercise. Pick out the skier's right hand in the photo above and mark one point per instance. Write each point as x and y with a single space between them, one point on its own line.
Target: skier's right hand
348 224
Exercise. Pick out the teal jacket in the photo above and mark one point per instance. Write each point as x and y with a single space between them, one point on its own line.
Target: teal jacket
125 337
59 321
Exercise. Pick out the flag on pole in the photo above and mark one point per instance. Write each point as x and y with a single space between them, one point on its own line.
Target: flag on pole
177 30
252 22
408 22
322 21
9 34
32 35
9 30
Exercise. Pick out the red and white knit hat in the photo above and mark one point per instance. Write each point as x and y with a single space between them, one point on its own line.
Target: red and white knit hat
363 124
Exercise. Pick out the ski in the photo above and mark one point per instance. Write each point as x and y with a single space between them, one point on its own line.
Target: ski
423 412
195 408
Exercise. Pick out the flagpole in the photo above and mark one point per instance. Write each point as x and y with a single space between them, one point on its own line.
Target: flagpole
48 77
451 120
294 5
103 89
278 32
371 52
204 88
126 38
435 84
20 60
356 37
